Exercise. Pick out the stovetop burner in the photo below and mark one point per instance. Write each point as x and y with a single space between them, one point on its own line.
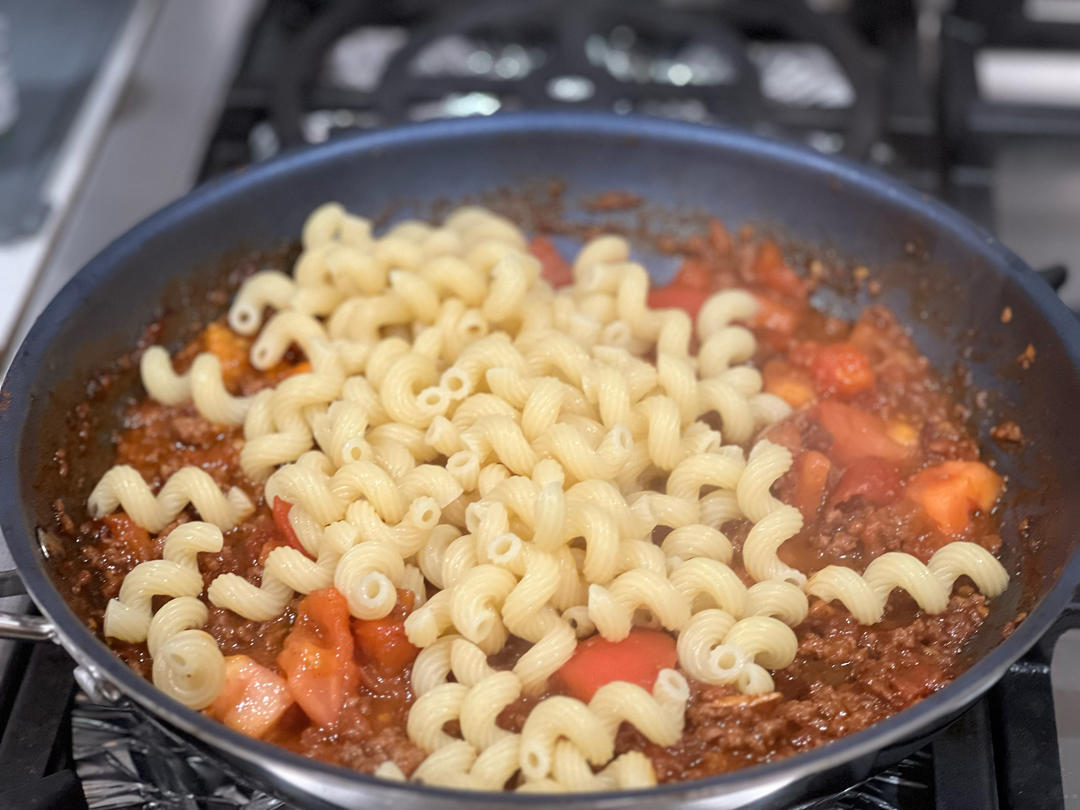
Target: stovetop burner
627 56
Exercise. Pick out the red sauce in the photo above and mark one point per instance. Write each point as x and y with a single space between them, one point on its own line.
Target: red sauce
854 386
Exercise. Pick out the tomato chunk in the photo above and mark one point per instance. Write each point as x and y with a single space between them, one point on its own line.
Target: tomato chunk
777 319
951 491
771 270
252 699
811 470
792 384
133 537
230 349
383 642
318 656
872 478
841 368
280 511
719 237
638 659
694 273
858 434
678 297
553 267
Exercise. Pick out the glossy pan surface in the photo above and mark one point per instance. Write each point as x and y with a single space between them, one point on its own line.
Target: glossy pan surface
945 277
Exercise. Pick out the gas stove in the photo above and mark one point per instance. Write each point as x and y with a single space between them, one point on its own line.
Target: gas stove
900 85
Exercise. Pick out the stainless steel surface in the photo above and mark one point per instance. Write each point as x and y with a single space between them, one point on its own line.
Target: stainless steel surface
149 153
22 260
95 685
1037 181
156 137
1037 198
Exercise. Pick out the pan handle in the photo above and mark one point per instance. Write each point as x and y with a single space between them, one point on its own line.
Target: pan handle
21 626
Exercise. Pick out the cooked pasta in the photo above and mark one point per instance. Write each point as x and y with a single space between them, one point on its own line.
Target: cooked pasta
929 585
128 616
467 481
188 665
122 486
202 384
774 522
591 728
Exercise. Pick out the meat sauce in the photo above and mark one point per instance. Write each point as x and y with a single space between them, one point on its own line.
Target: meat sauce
883 461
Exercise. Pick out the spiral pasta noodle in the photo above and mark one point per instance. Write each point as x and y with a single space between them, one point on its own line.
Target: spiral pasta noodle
512 460
930 585
591 727
717 648
122 486
176 574
774 522
202 384
187 664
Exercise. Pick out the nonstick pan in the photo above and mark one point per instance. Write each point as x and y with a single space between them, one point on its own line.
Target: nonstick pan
946 278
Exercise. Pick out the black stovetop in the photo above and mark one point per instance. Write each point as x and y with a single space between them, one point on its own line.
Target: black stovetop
863 82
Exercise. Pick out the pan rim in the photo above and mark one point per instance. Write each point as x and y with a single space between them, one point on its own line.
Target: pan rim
766 777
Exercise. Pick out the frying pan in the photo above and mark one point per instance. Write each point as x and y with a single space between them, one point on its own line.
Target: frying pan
949 280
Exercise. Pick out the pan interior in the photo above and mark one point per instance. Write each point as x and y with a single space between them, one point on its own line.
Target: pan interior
948 284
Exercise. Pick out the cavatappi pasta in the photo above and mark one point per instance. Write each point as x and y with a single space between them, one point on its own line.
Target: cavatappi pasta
509 477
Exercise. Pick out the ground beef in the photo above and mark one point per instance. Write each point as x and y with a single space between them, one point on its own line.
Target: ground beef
887 668
612 201
844 677
355 745
262 641
1007 431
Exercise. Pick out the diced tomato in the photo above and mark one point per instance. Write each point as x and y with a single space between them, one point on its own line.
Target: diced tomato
694 274
916 680
811 471
771 270
841 368
867 335
252 699
280 510
858 434
776 318
875 479
318 656
230 349
793 385
678 297
786 433
719 237
951 491
638 659
383 642
553 267
133 537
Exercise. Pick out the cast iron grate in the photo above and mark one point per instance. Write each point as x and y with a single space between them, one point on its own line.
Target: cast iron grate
316 69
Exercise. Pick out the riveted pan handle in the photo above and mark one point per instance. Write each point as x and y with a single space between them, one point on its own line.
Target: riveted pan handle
21 626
